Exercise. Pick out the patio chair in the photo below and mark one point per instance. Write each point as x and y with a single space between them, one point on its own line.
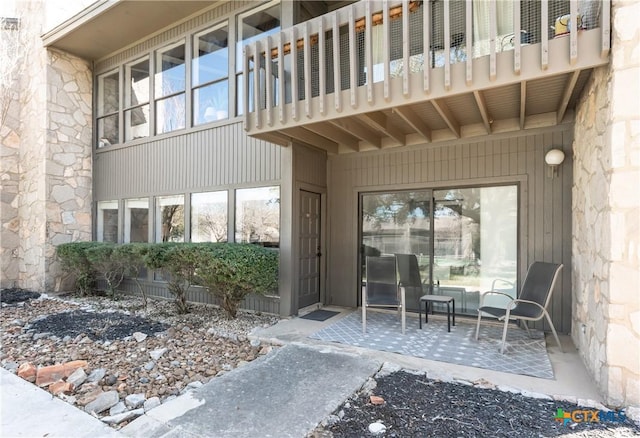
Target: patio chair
535 296
381 288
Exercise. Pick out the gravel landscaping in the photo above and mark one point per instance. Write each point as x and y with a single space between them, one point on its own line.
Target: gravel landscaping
119 359
139 355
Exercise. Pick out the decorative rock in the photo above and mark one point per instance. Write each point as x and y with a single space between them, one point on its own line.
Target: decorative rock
117 419
134 401
151 403
149 365
60 387
103 402
139 337
157 354
77 378
144 380
195 385
53 373
375 400
118 408
97 375
27 371
377 428
11 366
111 380
89 396
255 342
41 335
331 420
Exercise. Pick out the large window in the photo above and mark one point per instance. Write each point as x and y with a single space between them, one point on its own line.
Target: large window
209 217
465 239
170 218
258 216
136 220
253 25
136 105
170 82
107 223
210 75
108 105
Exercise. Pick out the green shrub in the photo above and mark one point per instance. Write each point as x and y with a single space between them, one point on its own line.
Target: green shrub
231 271
132 256
106 262
177 265
74 262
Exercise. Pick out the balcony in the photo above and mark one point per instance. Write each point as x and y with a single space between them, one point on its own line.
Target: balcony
379 74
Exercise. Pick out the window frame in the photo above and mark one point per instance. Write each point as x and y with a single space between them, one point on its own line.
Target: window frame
100 143
127 106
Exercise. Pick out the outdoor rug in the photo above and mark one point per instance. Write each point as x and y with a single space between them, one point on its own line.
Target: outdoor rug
319 315
523 355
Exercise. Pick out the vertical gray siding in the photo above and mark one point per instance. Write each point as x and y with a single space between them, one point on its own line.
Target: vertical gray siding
310 166
200 160
545 203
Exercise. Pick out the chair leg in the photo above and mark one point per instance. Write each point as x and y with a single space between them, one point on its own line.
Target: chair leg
404 309
526 327
504 331
364 310
553 329
478 324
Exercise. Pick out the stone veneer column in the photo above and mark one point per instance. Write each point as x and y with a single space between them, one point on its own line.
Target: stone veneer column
54 189
606 216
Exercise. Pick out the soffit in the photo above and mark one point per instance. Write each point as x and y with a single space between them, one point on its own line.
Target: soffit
109 25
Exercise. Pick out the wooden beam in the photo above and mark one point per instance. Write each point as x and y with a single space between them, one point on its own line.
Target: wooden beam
484 111
313 139
446 115
380 122
414 121
336 135
356 129
568 91
523 102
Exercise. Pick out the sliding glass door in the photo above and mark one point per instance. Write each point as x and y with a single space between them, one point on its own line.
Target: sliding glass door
465 239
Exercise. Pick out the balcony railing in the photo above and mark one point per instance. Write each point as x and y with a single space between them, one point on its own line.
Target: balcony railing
379 54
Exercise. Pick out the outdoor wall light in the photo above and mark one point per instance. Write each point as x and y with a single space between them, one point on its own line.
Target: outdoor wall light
554 158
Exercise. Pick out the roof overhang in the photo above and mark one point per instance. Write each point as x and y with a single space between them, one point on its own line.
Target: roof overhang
110 25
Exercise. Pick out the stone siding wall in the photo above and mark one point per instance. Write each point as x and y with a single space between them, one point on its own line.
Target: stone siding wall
606 217
50 155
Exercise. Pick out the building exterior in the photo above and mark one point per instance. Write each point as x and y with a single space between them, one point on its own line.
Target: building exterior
220 121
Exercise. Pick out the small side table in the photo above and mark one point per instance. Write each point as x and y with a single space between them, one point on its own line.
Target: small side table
437 299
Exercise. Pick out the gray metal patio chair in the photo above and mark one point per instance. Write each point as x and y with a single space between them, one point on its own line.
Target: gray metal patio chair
532 303
381 288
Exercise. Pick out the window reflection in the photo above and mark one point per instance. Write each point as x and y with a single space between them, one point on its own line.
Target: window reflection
209 217
107 226
170 114
136 220
170 218
136 115
258 216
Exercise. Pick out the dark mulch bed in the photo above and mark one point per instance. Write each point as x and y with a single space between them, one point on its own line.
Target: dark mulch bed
104 326
416 406
15 295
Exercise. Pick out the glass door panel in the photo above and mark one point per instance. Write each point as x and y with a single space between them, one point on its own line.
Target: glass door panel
398 223
475 244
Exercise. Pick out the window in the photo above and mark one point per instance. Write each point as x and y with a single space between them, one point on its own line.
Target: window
210 73
170 89
107 226
258 216
108 106
170 218
136 220
253 25
209 217
136 100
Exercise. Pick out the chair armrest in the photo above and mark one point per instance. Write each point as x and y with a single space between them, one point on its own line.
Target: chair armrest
501 280
493 292
516 301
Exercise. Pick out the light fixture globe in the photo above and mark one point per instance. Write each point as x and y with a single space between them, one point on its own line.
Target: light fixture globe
554 157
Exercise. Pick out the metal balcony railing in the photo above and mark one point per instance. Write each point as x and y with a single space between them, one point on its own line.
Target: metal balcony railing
369 49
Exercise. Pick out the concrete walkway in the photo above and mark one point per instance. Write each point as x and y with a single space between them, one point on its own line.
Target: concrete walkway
28 411
284 394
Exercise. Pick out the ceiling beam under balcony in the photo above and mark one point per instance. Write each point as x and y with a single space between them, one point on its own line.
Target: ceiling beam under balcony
380 122
361 132
484 111
447 116
336 135
568 91
523 103
313 139
414 121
